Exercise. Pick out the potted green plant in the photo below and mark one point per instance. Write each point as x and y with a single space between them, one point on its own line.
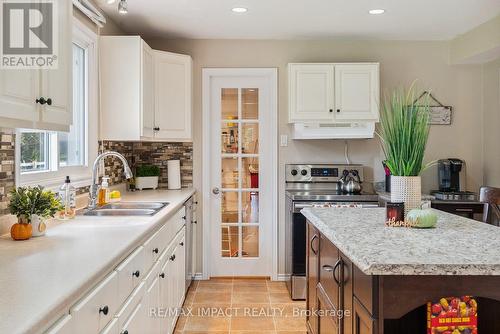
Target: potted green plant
32 206
146 177
404 130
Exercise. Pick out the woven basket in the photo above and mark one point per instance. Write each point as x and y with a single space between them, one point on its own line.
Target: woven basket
407 189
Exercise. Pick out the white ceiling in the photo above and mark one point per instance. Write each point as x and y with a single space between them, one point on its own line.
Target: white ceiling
303 19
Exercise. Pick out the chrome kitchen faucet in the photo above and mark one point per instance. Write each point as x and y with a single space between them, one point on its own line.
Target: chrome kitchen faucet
95 182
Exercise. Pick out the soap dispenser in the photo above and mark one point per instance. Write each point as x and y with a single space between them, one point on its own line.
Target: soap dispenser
103 197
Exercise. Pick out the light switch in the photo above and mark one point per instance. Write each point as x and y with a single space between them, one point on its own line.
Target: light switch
283 140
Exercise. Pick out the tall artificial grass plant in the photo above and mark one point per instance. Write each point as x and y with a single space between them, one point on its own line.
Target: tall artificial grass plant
404 130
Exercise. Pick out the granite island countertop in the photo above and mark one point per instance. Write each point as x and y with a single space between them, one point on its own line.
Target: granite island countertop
43 277
457 246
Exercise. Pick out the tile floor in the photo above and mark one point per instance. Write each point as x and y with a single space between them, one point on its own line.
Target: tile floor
241 306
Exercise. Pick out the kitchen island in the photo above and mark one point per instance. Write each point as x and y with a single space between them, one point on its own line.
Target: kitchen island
377 279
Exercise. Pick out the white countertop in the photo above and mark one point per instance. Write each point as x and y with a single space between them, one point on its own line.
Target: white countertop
41 278
457 246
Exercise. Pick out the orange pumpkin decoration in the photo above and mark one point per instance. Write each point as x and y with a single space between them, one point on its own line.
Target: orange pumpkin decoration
21 231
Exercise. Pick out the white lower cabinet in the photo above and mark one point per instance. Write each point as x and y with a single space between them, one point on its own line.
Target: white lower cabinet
63 326
142 295
97 309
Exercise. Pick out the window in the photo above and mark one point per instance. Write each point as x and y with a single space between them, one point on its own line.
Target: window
45 157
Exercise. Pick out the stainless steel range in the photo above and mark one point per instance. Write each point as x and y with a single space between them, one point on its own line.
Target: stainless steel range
316 185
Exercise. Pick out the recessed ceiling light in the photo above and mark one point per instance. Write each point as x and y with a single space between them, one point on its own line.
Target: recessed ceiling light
123 7
110 2
239 10
376 11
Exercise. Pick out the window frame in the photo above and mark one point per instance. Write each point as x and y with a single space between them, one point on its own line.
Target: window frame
81 176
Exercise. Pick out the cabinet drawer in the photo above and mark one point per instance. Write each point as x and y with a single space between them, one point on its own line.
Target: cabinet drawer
178 220
97 308
130 304
130 273
112 328
63 326
329 270
154 246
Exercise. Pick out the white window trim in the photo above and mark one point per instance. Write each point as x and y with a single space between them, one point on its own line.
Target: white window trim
81 176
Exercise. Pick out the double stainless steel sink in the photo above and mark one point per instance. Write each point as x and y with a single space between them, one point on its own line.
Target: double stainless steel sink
126 209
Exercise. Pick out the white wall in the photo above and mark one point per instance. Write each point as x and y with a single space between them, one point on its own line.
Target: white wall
401 63
491 84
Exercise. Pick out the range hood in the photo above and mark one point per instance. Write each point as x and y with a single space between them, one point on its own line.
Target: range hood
361 130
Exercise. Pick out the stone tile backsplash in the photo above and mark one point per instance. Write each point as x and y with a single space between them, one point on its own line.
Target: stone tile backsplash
137 153
150 153
7 171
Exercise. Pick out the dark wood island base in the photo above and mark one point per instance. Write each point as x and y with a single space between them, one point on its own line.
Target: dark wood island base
341 299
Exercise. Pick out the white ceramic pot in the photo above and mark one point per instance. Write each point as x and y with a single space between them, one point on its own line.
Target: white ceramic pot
39 225
407 189
146 182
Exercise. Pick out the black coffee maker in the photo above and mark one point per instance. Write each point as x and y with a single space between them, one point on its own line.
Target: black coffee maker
451 175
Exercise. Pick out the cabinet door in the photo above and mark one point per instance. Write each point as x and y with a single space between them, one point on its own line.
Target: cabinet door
311 93
172 96
57 83
312 277
167 290
181 271
347 293
356 92
18 91
136 322
329 271
152 303
147 95
328 323
363 322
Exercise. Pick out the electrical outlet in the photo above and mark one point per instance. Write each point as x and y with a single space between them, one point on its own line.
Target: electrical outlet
283 140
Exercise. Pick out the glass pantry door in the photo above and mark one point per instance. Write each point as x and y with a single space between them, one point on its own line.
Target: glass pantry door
240 229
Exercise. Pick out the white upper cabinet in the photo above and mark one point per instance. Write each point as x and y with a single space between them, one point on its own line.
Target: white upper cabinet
145 94
41 99
333 93
356 92
121 83
173 96
311 92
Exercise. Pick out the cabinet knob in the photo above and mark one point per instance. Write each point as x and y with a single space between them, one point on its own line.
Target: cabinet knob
162 275
338 110
172 258
43 101
125 332
156 128
137 273
182 243
104 310
184 217
194 222
156 250
331 110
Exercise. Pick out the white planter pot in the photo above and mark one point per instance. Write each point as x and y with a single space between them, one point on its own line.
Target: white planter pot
39 225
407 189
146 182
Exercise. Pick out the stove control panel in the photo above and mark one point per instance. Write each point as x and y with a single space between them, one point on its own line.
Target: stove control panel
320 172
